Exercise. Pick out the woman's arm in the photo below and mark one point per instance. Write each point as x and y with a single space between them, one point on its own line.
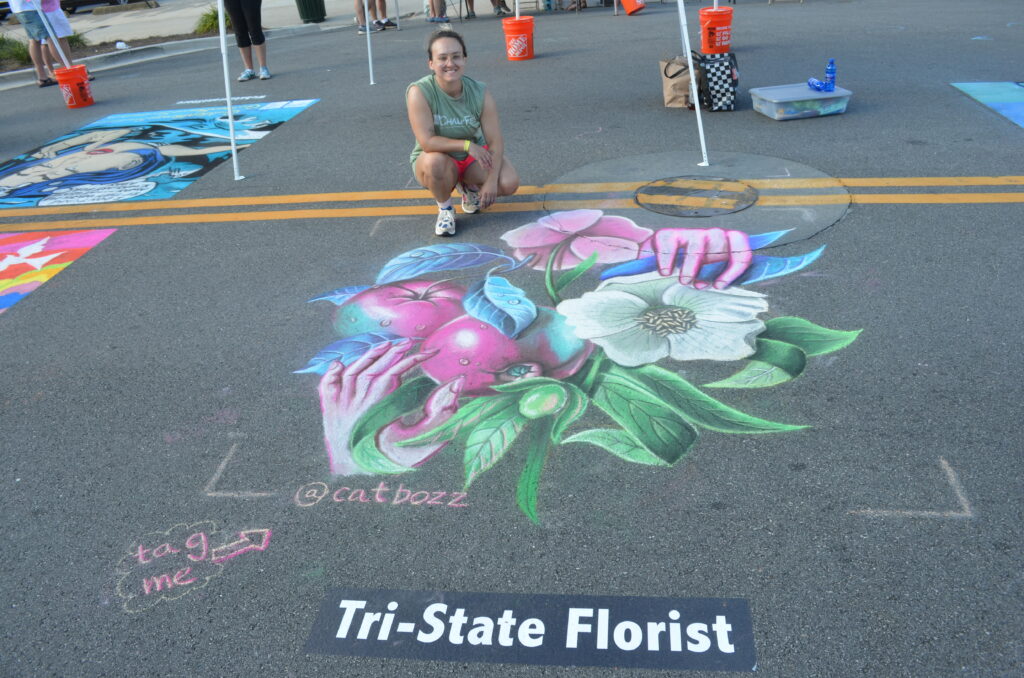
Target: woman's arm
178 151
494 152
93 139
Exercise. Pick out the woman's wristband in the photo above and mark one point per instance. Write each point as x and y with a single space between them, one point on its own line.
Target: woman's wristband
465 146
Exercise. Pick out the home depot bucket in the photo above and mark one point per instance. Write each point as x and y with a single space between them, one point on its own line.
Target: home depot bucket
518 38
715 30
74 85
633 6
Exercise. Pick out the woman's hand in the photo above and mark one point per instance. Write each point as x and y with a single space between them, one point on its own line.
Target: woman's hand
488 193
702 246
482 156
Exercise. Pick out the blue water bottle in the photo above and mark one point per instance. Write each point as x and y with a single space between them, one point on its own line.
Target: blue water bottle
816 84
830 76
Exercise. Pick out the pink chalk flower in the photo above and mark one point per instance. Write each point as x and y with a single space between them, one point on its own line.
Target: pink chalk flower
571 237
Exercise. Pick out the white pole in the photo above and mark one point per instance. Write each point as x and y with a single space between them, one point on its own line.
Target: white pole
693 80
398 17
517 9
369 49
49 31
227 86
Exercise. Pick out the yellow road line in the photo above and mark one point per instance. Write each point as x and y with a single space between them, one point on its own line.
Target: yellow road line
891 199
504 207
550 189
895 182
688 201
703 184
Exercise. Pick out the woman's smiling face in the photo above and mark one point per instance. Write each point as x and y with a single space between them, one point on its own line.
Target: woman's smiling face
447 60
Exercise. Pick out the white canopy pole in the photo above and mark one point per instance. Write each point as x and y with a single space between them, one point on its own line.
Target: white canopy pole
693 80
37 6
369 29
517 9
227 86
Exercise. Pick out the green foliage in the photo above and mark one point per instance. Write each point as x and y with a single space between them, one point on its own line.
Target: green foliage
207 22
774 363
650 421
13 50
77 41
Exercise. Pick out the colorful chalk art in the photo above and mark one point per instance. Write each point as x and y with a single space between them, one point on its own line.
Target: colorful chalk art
445 352
136 156
27 260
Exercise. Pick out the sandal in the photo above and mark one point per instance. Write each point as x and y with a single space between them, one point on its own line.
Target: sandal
46 82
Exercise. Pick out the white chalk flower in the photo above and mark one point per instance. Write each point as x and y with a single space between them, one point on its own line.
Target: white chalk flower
641 319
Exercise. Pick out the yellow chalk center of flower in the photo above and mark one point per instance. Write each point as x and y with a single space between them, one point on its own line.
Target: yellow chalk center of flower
666 320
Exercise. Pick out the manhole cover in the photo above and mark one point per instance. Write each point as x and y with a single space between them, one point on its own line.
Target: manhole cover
695 196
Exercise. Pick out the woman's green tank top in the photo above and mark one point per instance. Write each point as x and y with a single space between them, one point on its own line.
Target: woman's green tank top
455 118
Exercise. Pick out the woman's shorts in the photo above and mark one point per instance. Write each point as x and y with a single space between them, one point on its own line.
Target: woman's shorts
59 23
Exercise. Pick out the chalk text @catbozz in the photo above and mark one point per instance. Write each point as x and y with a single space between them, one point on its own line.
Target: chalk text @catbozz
383 494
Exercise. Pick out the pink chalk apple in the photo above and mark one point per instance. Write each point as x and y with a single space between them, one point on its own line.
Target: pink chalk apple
483 356
411 308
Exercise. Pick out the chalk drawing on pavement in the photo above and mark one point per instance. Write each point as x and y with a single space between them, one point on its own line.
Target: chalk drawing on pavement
443 352
965 511
27 260
211 486
1005 98
135 156
184 558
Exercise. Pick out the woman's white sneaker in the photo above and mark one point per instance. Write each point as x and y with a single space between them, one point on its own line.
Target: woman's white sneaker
445 224
470 199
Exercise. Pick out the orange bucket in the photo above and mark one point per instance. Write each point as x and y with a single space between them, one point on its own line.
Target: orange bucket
715 29
518 38
74 85
633 6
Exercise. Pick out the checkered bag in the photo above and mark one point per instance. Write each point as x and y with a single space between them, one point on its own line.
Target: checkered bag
719 78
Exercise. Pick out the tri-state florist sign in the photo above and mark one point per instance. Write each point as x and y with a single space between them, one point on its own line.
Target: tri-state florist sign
659 633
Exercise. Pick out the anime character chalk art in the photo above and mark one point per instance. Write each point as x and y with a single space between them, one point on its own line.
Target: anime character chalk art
428 363
135 156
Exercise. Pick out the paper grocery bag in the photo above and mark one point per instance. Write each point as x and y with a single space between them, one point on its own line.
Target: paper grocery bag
675 82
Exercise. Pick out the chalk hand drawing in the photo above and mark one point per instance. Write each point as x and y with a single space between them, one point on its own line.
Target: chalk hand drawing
427 365
173 563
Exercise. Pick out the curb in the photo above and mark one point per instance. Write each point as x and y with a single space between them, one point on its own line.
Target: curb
138 55
127 7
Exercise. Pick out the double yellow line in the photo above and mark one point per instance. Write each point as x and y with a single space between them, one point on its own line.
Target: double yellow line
610 195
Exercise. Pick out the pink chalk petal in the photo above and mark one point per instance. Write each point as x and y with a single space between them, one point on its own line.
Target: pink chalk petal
620 227
609 250
535 234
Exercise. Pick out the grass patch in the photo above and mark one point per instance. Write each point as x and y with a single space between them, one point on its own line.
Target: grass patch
208 22
77 41
13 50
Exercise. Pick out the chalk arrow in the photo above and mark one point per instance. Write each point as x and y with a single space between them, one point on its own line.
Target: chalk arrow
250 540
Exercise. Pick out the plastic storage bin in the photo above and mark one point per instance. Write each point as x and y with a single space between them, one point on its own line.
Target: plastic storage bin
789 102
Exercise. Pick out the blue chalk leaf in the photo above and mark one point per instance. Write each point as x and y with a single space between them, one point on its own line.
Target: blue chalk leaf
346 351
764 268
500 303
759 240
446 257
340 295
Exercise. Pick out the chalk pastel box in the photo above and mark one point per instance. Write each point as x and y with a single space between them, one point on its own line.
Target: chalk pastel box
790 102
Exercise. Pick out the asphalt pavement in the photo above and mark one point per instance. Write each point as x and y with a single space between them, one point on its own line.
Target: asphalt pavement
150 411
